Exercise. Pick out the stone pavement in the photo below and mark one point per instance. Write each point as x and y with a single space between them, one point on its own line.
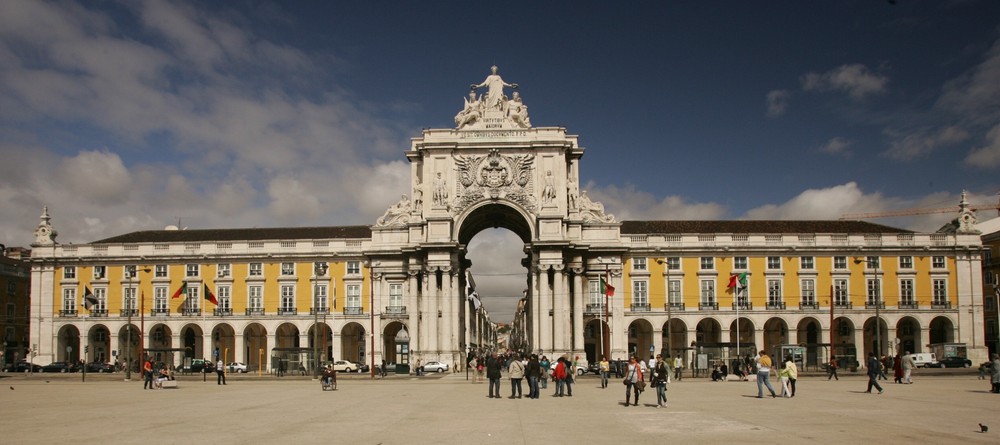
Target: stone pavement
50 408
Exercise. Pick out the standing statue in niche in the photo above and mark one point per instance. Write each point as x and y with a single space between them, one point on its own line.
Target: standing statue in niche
517 111
495 98
418 199
549 192
571 192
440 196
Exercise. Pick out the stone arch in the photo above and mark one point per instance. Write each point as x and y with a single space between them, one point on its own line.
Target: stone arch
68 337
592 340
352 342
908 335
746 338
255 346
674 337
640 338
389 341
872 339
494 214
941 330
775 334
843 346
224 341
128 346
193 341
99 341
286 336
810 335
708 332
325 339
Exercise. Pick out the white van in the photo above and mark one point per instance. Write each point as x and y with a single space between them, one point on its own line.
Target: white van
924 360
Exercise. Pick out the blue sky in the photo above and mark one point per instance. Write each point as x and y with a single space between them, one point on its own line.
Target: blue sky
125 116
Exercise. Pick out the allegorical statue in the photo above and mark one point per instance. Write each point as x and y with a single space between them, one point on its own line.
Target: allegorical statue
494 94
471 112
518 111
440 196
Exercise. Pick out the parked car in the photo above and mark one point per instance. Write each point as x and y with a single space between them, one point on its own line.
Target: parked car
100 367
60 367
435 367
924 360
237 367
345 366
22 366
954 362
614 366
202 365
362 367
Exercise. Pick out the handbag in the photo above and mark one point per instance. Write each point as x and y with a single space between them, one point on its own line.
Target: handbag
625 382
642 385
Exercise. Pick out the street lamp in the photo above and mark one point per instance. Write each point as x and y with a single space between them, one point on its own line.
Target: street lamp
371 308
320 269
877 300
605 344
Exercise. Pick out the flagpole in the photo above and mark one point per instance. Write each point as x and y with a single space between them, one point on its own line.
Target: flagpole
736 294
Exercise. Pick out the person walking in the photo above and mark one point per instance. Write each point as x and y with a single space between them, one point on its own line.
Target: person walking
147 374
793 373
493 365
764 375
832 369
897 369
995 373
907 362
784 377
559 375
604 368
570 376
534 372
873 370
220 372
516 372
678 367
633 375
660 374
649 367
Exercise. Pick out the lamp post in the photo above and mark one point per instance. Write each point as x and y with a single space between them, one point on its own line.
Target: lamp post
320 270
877 300
371 309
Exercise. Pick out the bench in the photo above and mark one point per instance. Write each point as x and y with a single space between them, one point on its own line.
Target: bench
169 384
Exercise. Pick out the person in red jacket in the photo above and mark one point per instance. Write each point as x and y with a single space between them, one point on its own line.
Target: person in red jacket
559 375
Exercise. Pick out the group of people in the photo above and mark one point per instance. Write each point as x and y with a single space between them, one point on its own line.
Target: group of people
154 375
537 370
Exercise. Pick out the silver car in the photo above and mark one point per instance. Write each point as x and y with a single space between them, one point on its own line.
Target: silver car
435 367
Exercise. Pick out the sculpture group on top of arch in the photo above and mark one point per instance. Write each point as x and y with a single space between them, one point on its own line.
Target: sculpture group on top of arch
493 110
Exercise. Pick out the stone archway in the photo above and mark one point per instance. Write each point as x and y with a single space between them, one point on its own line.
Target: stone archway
810 335
775 334
876 342
593 340
640 339
255 345
193 341
224 343
843 346
389 341
129 338
908 335
941 330
99 341
674 337
68 345
352 343
708 332
286 336
746 340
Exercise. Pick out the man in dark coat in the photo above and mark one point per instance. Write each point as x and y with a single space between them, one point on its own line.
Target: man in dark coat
493 365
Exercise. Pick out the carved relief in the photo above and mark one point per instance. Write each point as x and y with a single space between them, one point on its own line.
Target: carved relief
494 176
592 211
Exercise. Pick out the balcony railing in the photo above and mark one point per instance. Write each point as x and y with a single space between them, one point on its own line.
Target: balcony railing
129 312
908 305
190 312
319 311
744 306
222 312
776 305
394 311
714 306
594 309
255 311
288 311
67 312
641 307
673 306
161 312
874 305
805 305
353 311
99 313
843 305
941 305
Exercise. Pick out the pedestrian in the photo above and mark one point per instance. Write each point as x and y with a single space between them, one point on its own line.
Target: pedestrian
493 365
897 369
559 376
546 372
633 375
570 376
419 369
784 378
678 367
649 367
982 370
534 372
995 373
147 374
385 369
516 371
724 370
660 375
220 371
873 369
881 369
604 368
832 369
764 375
481 369
907 362
793 373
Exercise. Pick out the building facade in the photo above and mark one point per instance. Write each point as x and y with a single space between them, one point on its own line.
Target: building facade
256 295
15 283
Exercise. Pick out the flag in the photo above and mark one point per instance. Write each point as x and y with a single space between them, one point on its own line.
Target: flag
210 296
737 281
606 288
470 291
89 299
182 291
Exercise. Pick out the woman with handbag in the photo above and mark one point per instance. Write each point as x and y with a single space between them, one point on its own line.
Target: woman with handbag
633 377
660 374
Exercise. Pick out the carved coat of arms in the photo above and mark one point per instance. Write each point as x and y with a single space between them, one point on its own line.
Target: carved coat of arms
494 176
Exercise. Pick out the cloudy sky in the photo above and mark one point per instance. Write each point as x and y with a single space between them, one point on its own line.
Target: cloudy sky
125 116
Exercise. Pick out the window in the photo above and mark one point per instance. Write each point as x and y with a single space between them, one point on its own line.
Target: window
101 293
807 262
256 270
808 291
707 291
321 296
639 294
100 272
674 292
774 262
674 263
840 293
395 295
193 271
255 297
193 301
596 297
160 271
937 262
874 295
287 297
940 291
740 263
128 298
224 270
707 263
353 267
872 262
160 299
287 269
353 296
69 273
906 262
69 300
639 263
840 262
11 310
905 291
11 287
225 294
773 292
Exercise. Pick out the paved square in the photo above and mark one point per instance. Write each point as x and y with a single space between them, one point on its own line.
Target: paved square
447 409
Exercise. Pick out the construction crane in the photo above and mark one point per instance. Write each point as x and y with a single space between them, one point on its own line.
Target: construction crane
923 211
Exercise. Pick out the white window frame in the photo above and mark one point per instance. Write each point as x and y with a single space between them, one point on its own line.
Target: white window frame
225 296
674 263
873 292
741 263
320 296
906 291
674 292
287 269
640 292
395 294
101 293
594 290
192 270
353 298
774 263
160 298
224 270
839 262
706 263
939 291
808 286
807 262
906 262
353 267
255 297
774 292
255 269
707 294
873 262
639 264
841 297
100 272
69 272
938 262
129 300
287 297
193 301
161 271
69 300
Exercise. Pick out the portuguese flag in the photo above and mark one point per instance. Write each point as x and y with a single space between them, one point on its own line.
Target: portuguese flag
210 296
182 291
606 288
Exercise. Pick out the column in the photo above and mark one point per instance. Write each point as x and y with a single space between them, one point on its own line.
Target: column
859 344
559 314
536 312
758 338
447 332
414 306
455 299
272 342
657 340
375 324
430 316
239 353
545 328
578 295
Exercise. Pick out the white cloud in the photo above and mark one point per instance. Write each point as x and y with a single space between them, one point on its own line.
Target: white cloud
856 80
987 156
975 94
97 176
628 203
922 142
777 102
496 267
836 146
